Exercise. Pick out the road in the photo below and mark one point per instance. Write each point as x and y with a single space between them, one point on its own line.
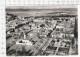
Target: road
43 46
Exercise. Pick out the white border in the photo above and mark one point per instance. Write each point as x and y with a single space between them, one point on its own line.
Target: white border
40 2
2 29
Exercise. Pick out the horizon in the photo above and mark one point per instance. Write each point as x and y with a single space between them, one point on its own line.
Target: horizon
41 10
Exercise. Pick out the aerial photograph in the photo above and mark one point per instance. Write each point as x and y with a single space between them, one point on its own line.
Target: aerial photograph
49 30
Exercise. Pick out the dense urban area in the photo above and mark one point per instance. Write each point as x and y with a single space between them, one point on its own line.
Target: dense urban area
41 35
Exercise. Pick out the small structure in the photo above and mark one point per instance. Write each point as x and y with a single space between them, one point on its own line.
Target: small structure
24 42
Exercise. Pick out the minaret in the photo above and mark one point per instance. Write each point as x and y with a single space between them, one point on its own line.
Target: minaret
24 36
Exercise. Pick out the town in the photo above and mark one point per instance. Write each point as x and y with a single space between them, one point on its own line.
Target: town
41 35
